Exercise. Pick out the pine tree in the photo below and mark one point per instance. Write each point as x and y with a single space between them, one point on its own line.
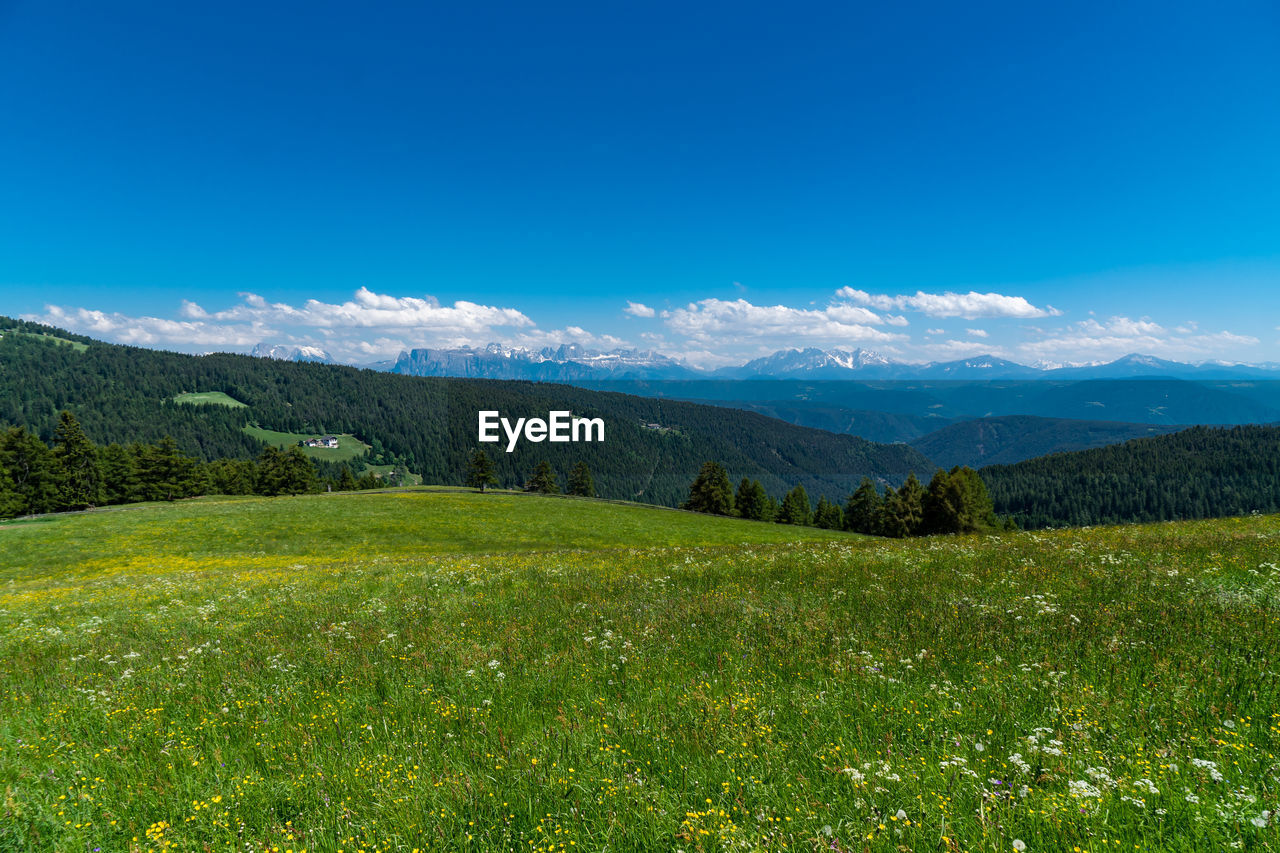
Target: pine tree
346 482
580 482
164 472
119 475
81 480
480 471
795 507
233 477
543 480
903 509
32 469
862 512
270 479
941 505
957 502
10 500
751 500
299 475
828 515
711 491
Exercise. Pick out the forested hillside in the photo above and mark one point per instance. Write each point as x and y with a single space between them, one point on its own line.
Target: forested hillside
1013 438
125 394
1200 472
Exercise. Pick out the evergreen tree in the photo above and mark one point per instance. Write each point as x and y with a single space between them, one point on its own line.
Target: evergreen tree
862 512
32 469
233 477
957 502
272 477
711 491
346 482
795 507
81 478
580 482
164 473
480 471
10 500
751 501
298 472
903 509
828 515
544 480
119 475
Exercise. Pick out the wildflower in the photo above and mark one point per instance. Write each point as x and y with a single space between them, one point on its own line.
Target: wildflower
1019 845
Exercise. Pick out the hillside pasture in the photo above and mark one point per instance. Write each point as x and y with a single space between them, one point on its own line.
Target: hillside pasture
349 447
209 398
444 670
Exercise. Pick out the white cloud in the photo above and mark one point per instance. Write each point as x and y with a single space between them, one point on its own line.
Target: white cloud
638 309
1120 336
935 331
151 331
969 305
368 325
732 323
896 320
1121 327
953 349
377 310
977 333
875 300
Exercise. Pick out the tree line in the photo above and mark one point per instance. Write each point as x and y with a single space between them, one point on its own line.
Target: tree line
1201 472
544 480
955 501
72 473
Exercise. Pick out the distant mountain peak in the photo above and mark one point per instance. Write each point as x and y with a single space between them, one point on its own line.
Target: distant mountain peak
574 362
285 352
567 362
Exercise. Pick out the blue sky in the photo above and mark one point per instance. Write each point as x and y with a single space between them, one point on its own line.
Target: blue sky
1056 182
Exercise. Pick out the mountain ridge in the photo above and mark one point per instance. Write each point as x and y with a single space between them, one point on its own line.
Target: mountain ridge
571 362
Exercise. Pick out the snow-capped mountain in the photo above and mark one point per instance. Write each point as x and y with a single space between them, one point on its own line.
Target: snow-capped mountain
974 367
284 352
813 363
575 363
565 363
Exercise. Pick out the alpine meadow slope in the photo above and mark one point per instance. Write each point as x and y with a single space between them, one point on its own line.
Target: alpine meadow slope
456 671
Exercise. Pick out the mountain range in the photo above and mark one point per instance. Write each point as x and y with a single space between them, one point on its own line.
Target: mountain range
284 352
576 363
653 451
565 363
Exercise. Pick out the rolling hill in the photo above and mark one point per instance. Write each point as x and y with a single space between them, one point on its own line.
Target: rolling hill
1013 438
653 447
1201 472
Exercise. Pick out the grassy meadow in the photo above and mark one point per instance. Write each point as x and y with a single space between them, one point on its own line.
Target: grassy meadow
209 398
349 447
439 670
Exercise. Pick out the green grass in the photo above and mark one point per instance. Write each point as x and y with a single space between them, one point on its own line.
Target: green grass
441 670
349 447
78 346
205 398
